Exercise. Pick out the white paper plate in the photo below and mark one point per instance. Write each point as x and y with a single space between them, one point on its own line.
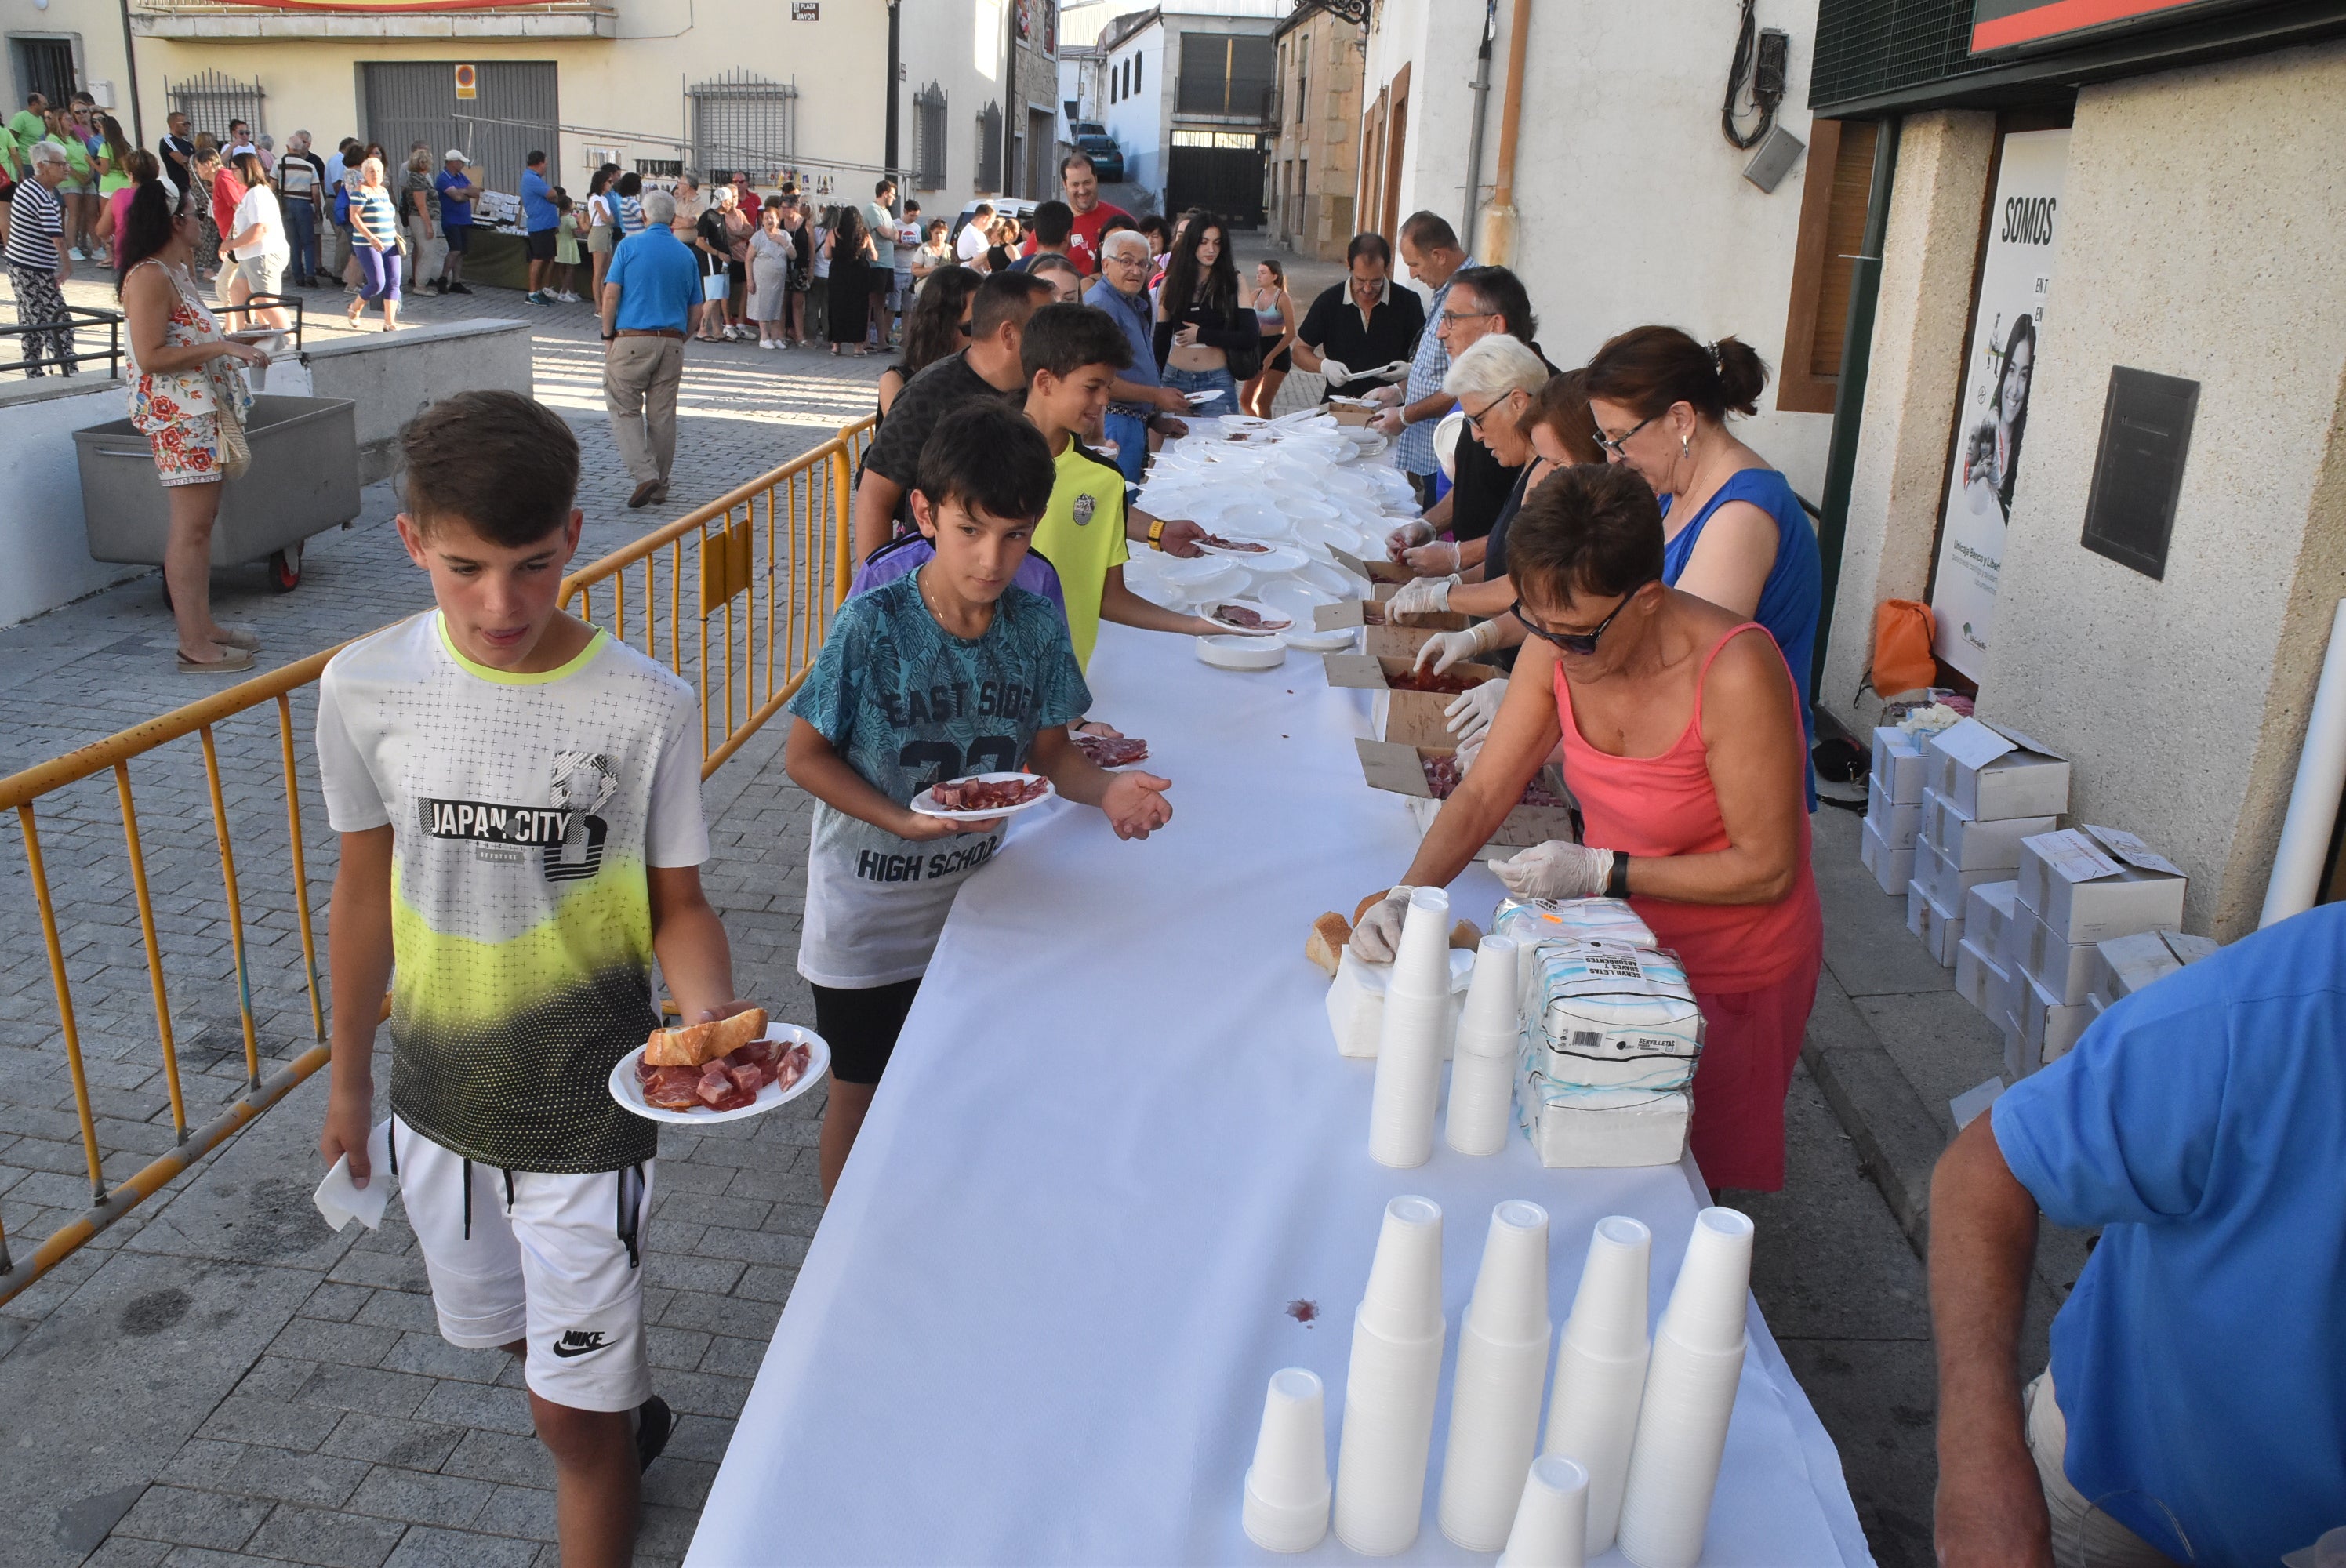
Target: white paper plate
1251 559
1259 607
925 803
1200 398
1234 422
630 1095
1254 652
1337 641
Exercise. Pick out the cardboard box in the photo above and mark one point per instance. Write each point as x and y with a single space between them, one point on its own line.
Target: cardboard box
1939 927
2063 970
1993 774
1399 768
1970 844
1375 571
1410 718
2086 894
1369 612
2123 965
2007 984
1350 411
1893 868
1898 825
1947 886
2017 1062
1899 763
1978 976
2048 1026
1598 1129
1987 911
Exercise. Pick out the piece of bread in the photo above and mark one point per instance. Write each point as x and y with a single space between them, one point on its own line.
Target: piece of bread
699 1042
1360 911
1325 945
1466 934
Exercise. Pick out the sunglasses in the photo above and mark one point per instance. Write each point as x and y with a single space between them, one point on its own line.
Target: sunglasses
1581 643
1614 445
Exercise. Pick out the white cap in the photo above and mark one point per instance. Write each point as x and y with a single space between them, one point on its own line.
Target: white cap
453 155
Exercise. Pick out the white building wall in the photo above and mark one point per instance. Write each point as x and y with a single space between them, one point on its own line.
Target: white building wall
958 43
1632 206
94 30
1139 121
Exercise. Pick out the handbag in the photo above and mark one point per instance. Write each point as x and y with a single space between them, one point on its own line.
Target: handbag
715 287
1246 364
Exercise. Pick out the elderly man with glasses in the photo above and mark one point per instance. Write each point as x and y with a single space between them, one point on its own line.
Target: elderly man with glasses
1136 401
1430 249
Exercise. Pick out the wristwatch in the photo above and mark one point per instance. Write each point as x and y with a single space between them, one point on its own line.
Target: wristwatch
1157 534
1616 882
609 337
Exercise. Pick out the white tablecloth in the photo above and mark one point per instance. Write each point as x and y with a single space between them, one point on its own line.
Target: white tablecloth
1115 1143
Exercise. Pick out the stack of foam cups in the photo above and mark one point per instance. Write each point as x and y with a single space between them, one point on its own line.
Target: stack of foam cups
1411 1043
1600 1369
1285 1507
1690 1396
1389 1389
1495 1397
1550 1528
1483 1072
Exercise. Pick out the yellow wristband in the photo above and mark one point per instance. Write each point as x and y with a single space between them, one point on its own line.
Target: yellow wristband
1156 535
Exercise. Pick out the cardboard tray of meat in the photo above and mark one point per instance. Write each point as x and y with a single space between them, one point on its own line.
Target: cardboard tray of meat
982 797
723 1072
1410 705
1425 776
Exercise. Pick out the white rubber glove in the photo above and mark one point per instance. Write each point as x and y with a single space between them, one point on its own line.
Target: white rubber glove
1378 936
1389 424
1433 557
1468 751
1422 596
1556 870
1404 537
1469 715
1336 370
1446 648
1388 395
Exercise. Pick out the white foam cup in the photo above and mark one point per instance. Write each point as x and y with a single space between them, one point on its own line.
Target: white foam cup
1408 1086
1550 1523
1421 965
1390 1384
1609 1310
1495 1397
1483 1072
1674 1463
1403 1298
1287 1488
1706 1305
1600 1370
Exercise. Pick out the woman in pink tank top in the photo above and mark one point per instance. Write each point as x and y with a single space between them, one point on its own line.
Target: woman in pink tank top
1684 744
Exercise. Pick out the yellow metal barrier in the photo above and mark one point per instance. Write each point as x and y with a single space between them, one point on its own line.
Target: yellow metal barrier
765 562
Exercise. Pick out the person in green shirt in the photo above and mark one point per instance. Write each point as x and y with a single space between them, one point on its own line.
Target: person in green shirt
31 123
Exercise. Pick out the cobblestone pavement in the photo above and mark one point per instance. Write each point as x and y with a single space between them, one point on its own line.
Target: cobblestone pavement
219 1379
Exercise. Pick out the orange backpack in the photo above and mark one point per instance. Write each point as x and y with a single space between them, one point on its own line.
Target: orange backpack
1903 660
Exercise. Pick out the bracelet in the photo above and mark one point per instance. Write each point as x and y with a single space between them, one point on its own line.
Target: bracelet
1157 534
1617 881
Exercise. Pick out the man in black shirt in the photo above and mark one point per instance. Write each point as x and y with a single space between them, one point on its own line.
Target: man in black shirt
989 367
179 150
1483 300
1361 324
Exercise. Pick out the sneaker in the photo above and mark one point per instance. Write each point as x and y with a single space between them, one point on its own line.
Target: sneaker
537 297
653 1424
567 298
458 289
77 255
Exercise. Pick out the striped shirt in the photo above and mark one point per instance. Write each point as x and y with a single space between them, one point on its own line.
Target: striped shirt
32 224
374 209
1414 451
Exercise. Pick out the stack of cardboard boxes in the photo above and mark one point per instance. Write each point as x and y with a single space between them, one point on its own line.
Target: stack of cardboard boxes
1985 790
1893 807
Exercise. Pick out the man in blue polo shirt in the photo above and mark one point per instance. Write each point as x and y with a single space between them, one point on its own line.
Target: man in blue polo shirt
457 191
2195 1409
541 218
651 301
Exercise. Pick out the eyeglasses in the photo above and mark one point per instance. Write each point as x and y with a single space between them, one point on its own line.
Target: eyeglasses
1614 445
1581 643
1476 419
1450 315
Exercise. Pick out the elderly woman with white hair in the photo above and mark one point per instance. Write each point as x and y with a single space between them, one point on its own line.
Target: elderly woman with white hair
1494 383
38 259
374 243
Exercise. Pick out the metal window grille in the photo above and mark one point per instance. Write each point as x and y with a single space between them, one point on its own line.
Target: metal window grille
213 100
1865 48
989 147
929 138
743 121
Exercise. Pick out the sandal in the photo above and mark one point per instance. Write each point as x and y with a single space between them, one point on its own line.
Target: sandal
237 634
232 660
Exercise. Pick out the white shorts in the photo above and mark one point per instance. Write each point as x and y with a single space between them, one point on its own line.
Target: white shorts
554 1260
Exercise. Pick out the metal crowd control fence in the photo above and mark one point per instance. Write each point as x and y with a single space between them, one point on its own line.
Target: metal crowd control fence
79 319
756 571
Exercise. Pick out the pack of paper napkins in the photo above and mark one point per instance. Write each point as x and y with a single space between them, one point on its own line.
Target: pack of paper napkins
1610 1034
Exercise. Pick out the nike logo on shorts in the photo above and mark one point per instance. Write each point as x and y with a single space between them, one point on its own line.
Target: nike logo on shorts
579 1343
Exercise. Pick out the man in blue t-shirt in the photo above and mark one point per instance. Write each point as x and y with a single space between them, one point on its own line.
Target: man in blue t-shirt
2195 1407
456 194
541 218
651 299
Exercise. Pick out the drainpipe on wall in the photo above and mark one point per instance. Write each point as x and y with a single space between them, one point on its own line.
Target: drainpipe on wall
1848 392
130 69
1498 245
895 70
1481 111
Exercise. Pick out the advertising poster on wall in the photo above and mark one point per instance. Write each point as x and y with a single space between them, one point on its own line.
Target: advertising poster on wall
2023 247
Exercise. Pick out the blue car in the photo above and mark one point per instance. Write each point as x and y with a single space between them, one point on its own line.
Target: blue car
1107 159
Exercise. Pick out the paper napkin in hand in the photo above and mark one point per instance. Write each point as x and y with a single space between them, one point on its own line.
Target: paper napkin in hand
341 1200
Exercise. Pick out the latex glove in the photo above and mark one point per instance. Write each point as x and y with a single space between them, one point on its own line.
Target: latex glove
1468 751
1446 648
1378 936
1423 596
1405 537
1469 717
1337 371
1433 558
1389 422
1388 395
1556 870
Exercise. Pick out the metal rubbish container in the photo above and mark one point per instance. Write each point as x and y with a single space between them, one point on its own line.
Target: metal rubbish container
305 479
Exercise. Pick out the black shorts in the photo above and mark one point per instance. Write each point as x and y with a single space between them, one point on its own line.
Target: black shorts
460 237
541 244
860 1027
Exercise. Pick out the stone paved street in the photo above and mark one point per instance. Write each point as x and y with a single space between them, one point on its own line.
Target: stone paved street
219 1379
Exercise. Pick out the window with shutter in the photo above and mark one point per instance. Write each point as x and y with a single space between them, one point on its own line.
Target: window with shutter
929 138
1833 228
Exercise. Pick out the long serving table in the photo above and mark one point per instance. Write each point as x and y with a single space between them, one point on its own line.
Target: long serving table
1114 1143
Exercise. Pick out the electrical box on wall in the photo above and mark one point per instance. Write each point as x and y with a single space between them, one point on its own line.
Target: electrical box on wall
1779 151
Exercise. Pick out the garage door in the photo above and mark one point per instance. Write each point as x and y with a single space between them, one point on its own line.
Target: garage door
1221 171
514 114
